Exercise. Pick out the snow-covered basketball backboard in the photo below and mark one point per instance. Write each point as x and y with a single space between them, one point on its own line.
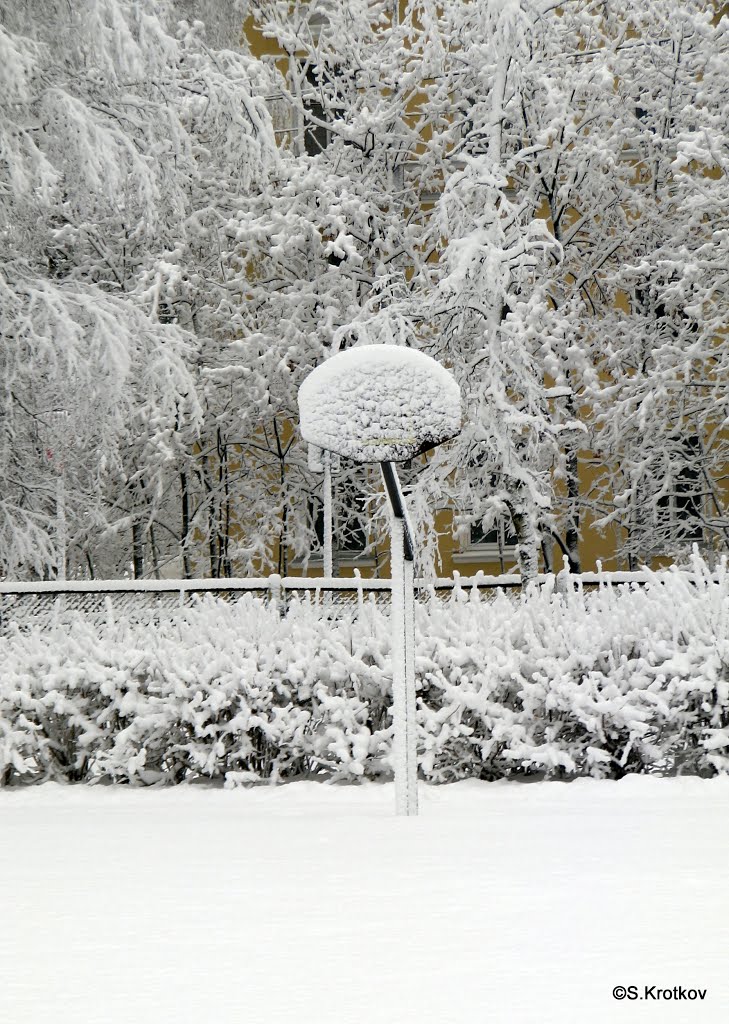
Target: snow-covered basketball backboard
379 403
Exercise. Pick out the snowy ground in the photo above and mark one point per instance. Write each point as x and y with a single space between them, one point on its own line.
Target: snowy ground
307 903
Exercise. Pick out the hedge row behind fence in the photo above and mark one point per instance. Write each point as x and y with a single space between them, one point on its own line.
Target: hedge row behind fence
620 680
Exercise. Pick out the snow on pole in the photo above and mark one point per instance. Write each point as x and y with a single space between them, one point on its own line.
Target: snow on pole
327 510
61 534
411 722
399 703
316 464
405 763
274 585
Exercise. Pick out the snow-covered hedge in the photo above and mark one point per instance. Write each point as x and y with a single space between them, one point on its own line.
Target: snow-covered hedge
619 680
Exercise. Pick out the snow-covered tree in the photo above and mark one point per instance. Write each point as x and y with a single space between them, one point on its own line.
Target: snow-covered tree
660 404
490 300
341 253
518 188
323 251
610 128
534 193
124 137
427 142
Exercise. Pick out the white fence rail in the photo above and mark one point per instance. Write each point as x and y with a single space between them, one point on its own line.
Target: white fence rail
23 605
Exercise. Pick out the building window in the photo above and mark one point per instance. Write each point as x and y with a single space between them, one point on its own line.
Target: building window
498 539
495 545
316 138
317 89
681 508
315 85
480 536
350 538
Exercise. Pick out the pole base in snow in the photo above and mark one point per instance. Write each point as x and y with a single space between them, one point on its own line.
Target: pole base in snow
403 654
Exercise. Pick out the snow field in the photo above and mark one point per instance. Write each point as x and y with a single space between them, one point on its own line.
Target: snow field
306 903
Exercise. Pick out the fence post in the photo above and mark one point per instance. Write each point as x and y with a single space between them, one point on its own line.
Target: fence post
360 595
563 581
276 591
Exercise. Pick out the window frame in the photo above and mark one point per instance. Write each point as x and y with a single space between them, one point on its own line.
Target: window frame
487 551
344 557
684 503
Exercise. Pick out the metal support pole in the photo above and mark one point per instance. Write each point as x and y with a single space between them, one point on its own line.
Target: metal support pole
61 542
327 511
411 721
403 649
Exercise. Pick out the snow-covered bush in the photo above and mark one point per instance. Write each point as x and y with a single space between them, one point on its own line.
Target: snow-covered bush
557 682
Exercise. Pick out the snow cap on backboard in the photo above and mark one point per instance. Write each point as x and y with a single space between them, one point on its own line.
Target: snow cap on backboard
379 403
